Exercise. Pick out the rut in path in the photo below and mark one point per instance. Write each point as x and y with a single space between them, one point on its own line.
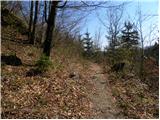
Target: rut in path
103 102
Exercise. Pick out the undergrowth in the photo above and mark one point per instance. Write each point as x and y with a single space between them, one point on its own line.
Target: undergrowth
44 63
134 97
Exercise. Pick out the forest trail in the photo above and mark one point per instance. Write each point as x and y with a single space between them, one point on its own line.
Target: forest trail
103 102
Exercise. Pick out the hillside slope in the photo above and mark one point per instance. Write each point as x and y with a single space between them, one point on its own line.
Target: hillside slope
52 95
73 87
55 94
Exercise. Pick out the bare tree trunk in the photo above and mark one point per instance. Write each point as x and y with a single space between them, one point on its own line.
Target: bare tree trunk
32 40
142 43
30 21
45 11
50 27
113 25
142 56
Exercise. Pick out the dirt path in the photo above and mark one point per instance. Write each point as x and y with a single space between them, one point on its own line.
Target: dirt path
103 102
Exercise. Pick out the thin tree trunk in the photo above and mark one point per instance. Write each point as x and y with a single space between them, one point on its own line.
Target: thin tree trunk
32 40
142 59
45 11
30 21
50 28
142 45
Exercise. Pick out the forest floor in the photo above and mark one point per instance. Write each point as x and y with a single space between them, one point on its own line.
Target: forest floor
54 94
89 93
73 87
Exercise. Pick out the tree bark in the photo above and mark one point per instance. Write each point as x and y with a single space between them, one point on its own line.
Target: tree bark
50 28
30 21
45 11
32 40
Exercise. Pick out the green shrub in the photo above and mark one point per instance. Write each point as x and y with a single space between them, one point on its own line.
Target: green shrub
44 63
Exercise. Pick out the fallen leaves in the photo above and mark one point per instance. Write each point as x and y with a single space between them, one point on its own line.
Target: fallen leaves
134 98
50 96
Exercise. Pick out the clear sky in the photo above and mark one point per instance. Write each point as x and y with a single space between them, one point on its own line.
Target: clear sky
148 7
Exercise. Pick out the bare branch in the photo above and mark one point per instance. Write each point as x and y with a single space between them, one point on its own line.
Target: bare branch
62 6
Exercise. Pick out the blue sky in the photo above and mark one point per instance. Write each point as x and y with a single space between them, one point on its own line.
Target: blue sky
148 7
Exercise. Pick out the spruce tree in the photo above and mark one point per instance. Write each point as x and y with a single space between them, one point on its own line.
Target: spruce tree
129 43
129 35
88 44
